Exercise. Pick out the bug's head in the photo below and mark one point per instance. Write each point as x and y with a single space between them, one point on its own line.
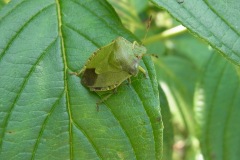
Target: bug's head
133 68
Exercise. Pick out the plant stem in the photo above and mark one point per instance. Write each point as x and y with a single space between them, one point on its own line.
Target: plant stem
166 34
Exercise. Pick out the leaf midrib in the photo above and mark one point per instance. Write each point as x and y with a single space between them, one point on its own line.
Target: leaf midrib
65 67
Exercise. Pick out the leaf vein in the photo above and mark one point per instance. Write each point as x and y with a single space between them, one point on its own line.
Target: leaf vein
20 30
83 35
122 130
23 85
93 13
147 116
89 139
44 125
209 116
63 50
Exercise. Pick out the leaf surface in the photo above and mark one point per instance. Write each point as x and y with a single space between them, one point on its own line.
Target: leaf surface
216 22
45 112
168 138
217 105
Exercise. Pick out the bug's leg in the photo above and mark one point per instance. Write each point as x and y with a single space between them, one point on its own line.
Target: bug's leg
102 100
134 43
143 71
115 90
77 73
105 98
129 81
146 54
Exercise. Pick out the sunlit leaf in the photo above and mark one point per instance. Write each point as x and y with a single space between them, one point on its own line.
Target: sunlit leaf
216 22
45 113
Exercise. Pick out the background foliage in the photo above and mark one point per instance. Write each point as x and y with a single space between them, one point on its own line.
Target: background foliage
46 113
201 86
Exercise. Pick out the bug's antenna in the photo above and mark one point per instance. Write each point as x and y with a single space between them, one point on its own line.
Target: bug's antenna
147 54
148 26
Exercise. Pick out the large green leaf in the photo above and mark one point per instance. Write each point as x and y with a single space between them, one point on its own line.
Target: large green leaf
218 109
214 21
45 113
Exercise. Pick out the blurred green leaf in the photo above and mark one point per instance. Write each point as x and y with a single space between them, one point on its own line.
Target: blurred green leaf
217 106
180 66
128 13
213 21
48 114
168 138
140 5
192 49
178 69
2 3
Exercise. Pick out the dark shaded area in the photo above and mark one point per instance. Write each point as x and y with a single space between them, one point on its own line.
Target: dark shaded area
89 77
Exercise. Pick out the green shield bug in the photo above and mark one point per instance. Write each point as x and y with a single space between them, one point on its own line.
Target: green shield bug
112 64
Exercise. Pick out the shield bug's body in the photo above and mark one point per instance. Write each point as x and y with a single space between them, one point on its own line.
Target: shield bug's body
112 64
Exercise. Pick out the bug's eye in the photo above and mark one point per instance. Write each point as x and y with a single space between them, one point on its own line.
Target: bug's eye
136 66
139 57
133 70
